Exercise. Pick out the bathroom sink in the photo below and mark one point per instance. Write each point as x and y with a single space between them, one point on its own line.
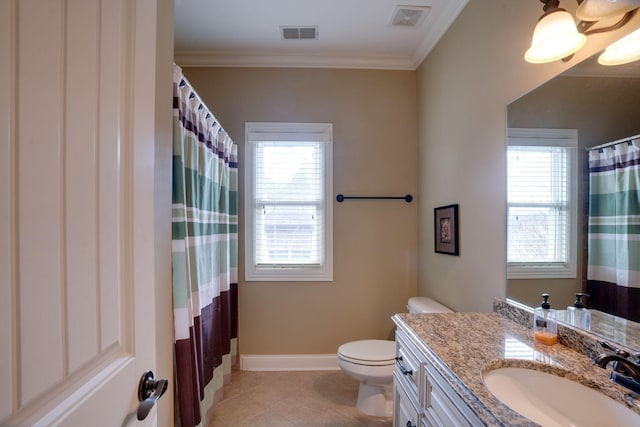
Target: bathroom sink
552 400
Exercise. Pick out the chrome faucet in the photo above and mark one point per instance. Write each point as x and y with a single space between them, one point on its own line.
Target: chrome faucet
621 365
625 372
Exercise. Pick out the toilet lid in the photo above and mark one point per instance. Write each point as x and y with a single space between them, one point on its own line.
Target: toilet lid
369 352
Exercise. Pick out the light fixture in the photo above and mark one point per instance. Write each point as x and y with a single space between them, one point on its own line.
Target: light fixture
593 11
557 36
625 50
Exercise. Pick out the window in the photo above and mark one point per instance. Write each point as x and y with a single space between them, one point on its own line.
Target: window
541 203
288 205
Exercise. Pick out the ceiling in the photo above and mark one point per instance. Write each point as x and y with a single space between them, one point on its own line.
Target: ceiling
351 33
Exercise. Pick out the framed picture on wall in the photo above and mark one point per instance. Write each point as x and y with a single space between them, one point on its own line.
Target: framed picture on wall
445 223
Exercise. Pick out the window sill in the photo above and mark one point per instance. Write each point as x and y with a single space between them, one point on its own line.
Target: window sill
541 272
288 275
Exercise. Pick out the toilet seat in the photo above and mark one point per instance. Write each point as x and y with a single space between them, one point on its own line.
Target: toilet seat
368 352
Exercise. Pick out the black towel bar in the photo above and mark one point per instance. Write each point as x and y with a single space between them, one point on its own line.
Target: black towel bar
341 198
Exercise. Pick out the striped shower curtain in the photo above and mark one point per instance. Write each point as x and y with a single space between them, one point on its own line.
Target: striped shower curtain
205 254
613 272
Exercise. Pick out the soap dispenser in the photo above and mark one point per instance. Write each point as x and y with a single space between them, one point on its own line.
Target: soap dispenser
545 326
578 315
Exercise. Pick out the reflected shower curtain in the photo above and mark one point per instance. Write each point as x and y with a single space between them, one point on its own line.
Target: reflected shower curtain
613 272
204 254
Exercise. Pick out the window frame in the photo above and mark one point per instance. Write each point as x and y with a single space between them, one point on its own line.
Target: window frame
567 138
256 132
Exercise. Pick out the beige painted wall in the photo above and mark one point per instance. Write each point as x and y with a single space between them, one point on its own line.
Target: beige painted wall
464 86
602 110
375 242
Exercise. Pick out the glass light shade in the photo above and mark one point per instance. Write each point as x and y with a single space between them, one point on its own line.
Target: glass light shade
625 50
598 10
555 37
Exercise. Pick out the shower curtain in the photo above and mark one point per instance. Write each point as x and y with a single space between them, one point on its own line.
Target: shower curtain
613 272
204 254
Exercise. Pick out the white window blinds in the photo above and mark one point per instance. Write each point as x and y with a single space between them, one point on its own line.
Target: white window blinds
288 203
538 195
541 204
288 207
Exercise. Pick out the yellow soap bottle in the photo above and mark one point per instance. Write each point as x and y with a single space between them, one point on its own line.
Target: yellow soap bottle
545 326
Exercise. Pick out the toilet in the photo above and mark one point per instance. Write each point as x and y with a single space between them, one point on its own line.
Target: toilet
372 363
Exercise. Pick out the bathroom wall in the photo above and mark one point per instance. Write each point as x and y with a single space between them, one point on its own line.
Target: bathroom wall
464 86
375 242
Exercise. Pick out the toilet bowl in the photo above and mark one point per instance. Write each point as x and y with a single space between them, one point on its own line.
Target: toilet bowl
372 363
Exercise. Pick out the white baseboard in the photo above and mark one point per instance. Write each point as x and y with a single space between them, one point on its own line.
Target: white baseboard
289 362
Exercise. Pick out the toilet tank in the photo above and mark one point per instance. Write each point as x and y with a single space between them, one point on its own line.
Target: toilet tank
426 305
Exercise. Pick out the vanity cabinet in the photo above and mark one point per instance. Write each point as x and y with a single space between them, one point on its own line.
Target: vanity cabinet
407 383
421 395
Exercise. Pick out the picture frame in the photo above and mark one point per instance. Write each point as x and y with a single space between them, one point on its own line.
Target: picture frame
445 226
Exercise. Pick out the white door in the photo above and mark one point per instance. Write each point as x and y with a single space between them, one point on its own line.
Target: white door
85 124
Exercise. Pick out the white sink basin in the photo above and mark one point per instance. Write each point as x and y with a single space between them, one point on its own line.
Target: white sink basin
551 400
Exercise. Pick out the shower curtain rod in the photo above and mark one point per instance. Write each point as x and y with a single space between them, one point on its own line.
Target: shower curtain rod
609 144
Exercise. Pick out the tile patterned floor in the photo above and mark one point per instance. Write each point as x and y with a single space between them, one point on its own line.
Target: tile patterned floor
287 399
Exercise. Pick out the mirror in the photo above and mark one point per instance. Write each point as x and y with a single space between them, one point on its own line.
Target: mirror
602 103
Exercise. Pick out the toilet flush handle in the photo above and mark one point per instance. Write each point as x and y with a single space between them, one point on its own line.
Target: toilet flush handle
404 370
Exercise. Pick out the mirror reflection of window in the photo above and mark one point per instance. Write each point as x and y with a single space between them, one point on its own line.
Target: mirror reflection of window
541 203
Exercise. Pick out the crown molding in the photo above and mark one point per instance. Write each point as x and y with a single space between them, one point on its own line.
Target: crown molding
437 26
274 59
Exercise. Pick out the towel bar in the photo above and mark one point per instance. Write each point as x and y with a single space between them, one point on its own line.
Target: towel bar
408 198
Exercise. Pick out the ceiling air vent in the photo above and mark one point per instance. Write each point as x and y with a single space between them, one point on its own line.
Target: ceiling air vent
409 16
309 32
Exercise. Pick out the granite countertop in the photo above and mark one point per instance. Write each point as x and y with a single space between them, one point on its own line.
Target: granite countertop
462 346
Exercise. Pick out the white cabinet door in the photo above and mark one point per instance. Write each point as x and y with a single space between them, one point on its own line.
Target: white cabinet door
405 413
84 273
444 407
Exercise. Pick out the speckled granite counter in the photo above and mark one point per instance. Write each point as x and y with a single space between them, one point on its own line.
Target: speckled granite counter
462 346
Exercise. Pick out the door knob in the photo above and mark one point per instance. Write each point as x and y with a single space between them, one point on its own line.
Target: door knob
149 391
